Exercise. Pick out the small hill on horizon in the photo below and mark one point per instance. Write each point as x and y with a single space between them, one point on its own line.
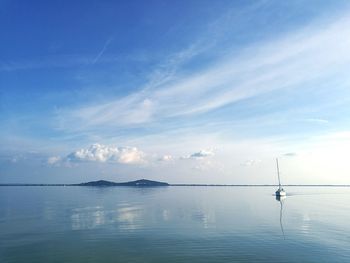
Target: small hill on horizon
139 183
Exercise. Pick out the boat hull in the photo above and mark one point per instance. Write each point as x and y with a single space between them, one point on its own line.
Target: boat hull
281 193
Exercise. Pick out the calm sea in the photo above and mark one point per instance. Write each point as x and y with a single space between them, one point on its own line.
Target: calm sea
174 224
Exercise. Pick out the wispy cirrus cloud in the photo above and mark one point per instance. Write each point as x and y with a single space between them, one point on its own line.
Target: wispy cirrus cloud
317 120
102 51
284 63
52 61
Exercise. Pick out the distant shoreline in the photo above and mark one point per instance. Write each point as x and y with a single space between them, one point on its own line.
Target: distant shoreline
200 185
150 183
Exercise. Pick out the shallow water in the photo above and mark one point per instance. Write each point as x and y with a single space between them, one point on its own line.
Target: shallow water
174 224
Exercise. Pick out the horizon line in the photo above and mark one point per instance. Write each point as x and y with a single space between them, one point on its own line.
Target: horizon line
221 185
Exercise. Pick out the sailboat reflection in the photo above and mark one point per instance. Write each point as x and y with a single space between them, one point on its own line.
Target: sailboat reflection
281 200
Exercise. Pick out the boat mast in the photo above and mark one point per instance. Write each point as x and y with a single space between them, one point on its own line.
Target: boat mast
278 173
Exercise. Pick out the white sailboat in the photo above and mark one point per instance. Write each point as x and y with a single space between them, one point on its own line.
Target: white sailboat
280 191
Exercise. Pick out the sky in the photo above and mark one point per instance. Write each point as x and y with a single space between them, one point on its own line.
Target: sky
207 92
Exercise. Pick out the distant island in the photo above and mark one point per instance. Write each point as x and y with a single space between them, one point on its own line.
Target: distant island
140 183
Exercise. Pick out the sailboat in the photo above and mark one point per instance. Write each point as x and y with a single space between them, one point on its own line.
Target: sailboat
280 191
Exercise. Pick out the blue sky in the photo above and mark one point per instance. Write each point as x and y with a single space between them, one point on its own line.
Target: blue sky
178 91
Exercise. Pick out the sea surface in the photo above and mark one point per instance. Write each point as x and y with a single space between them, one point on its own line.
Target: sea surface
174 224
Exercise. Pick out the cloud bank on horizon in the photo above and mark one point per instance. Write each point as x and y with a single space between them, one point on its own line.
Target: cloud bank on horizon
210 96
120 155
102 153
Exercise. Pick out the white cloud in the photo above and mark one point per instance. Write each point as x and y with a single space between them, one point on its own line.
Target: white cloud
103 153
251 162
200 155
166 158
123 155
53 160
317 120
291 154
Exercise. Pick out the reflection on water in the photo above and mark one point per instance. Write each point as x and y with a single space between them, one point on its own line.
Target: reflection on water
205 217
125 216
281 199
130 217
173 224
87 217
